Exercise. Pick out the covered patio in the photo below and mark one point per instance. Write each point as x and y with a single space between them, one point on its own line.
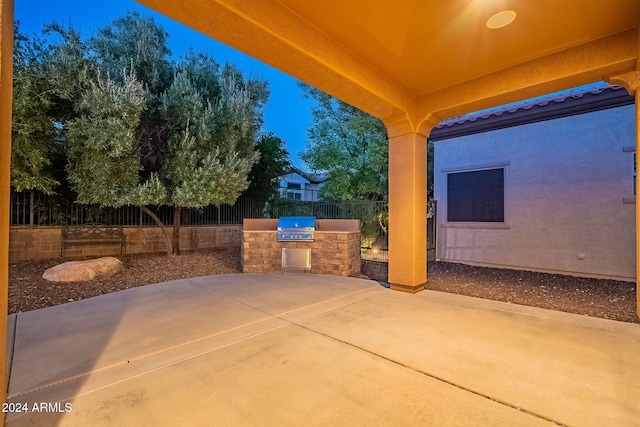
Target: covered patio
414 63
273 349
411 63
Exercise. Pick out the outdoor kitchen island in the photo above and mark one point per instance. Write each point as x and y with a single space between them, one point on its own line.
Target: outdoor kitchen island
334 248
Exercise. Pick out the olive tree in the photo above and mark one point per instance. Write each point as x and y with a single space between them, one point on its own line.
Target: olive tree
137 128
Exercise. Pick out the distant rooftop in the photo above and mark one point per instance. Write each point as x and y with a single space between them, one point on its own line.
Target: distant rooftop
548 108
312 178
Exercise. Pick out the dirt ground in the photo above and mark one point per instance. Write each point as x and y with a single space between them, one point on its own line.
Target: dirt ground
606 299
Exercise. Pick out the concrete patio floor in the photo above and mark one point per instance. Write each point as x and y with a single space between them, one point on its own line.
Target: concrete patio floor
273 349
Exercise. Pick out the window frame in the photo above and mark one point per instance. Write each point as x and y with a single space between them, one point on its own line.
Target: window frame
500 219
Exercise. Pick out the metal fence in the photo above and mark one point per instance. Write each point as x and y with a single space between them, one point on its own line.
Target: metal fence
372 215
378 249
36 209
32 209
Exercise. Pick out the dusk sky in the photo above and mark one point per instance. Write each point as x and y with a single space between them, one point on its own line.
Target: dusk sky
286 114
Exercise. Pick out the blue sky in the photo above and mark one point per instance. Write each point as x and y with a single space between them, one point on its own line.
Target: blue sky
286 113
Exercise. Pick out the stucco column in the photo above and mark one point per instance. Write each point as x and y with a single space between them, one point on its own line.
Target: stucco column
407 206
6 95
637 210
631 82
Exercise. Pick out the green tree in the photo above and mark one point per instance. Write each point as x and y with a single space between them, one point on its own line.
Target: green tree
33 133
137 44
103 164
133 126
189 146
210 146
46 86
273 163
349 144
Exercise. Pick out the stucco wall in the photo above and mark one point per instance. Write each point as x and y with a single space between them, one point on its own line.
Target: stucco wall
569 204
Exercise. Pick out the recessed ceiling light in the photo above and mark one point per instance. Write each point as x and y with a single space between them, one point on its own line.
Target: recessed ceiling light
501 19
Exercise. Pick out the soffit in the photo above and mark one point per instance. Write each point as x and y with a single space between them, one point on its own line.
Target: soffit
425 46
424 60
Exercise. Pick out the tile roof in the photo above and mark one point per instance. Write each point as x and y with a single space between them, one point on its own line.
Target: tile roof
548 108
312 178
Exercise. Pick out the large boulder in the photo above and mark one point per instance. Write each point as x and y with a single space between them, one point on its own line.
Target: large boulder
82 271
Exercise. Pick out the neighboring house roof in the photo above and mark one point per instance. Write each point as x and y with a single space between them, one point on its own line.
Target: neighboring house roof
553 107
312 178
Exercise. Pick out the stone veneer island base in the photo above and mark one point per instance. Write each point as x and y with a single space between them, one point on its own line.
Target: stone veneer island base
335 249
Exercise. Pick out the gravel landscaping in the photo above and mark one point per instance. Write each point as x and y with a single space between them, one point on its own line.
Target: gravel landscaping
608 299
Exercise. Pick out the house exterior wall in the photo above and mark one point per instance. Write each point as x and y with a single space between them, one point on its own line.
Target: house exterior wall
569 206
308 190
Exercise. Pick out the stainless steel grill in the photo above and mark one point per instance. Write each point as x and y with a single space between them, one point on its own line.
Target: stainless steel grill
296 228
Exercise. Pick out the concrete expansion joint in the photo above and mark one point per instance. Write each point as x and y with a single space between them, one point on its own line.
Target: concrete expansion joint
146 356
281 316
269 316
432 376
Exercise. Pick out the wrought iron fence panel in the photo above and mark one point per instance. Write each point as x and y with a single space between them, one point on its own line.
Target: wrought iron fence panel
34 209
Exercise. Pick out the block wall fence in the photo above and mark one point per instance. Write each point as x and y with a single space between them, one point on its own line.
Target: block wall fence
46 242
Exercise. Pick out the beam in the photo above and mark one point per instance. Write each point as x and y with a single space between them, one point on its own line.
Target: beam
270 32
588 63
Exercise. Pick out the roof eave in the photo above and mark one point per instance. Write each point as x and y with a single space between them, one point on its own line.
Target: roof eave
545 109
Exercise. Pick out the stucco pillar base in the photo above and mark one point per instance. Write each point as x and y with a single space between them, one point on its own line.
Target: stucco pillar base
412 289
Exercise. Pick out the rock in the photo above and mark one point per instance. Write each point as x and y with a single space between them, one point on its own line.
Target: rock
81 271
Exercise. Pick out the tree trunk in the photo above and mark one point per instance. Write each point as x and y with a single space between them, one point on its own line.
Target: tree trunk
164 230
177 211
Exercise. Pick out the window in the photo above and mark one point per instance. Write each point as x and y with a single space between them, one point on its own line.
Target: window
476 196
294 191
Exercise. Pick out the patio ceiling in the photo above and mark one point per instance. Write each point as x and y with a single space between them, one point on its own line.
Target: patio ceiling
427 46
419 58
